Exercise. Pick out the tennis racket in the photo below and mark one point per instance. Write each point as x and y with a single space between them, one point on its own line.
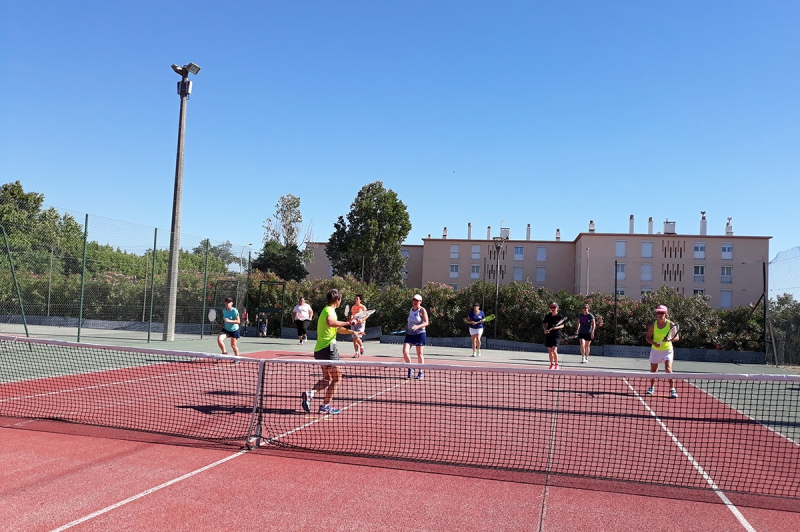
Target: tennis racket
560 323
365 314
672 333
214 316
401 331
346 312
570 337
487 319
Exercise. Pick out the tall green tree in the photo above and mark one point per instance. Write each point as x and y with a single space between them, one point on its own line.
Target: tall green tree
282 260
285 253
367 244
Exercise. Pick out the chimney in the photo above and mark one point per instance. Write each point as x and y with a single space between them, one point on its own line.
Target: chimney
729 227
630 229
558 235
650 226
591 226
489 232
528 232
505 232
669 227
703 223
469 231
444 233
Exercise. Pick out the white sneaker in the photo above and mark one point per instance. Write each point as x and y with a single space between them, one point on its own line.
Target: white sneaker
473 354
650 391
479 352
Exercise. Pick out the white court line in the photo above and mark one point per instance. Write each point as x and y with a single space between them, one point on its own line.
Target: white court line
148 492
748 416
747 526
209 466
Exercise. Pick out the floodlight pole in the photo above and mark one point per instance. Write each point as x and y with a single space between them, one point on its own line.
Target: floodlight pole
184 90
498 245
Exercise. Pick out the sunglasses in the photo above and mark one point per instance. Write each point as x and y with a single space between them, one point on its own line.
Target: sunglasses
553 307
660 312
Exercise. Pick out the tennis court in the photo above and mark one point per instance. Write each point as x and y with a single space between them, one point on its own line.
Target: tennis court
728 444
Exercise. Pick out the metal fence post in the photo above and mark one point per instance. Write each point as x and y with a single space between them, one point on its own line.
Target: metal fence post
83 276
16 284
152 285
205 289
616 297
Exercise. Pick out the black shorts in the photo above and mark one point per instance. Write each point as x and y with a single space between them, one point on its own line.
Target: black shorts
230 334
585 336
327 353
302 327
552 340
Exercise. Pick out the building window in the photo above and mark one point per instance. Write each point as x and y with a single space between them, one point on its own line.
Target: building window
404 253
699 274
620 248
620 271
454 271
699 250
453 251
541 253
475 271
646 291
476 251
727 250
330 271
620 291
517 273
647 272
699 292
725 298
540 274
727 274
519 253
647 250
454 286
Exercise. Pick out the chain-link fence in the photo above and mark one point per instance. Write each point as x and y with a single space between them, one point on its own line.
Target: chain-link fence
783 328
68 274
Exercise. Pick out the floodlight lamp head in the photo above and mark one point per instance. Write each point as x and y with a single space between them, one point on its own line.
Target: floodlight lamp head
191 67
178 69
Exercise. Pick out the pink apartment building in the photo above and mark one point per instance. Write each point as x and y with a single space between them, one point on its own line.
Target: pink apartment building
729 269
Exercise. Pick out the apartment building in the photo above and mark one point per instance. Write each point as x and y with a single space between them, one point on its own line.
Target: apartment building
729 269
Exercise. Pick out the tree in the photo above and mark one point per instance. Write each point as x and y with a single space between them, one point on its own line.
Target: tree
282 253
367 245
286 223
220 251
283 261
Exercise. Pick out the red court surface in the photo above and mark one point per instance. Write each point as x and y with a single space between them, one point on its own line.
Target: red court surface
58 476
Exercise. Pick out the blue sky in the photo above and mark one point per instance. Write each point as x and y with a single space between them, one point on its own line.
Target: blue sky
548 113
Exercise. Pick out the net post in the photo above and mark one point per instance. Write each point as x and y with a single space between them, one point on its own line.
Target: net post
255 433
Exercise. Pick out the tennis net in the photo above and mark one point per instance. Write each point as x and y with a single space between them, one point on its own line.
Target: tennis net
728 432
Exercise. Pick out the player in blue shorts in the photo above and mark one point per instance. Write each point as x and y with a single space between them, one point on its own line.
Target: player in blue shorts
415 333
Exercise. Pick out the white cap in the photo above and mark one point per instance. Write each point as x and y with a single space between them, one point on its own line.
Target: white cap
417 296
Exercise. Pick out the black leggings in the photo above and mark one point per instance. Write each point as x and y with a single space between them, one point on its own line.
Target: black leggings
302 327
